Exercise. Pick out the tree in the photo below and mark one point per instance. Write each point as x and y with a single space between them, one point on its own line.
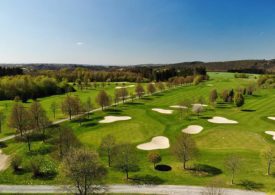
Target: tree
139 90
154 158
2 118
84 170
107 147
225 95
160 86
116 97
71 106
232 163
213 96
151 88
239 99
38 118
126 160
123 93
54 108
269 155
88 106
66 141
197 108
185 149
103 99
18 118
132 96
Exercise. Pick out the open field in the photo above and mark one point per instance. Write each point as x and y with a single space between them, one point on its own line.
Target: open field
215 142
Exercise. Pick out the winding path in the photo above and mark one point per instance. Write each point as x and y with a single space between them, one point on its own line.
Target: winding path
126 189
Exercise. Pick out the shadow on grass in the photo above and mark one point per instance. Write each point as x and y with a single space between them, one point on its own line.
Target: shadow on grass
146 98
163 168
3 145
134 103
205 117
146 179
113 111
251 185
248 110
205 170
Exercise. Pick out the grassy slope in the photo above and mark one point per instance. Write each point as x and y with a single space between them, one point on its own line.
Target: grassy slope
47 101
215 142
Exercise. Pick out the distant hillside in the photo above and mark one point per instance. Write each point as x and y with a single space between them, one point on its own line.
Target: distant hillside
248 66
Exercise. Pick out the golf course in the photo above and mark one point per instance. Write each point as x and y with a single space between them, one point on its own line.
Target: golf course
154 122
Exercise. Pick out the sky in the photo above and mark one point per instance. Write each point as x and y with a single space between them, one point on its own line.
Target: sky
126 32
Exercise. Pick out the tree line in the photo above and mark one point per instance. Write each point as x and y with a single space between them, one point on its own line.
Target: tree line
31 87
10 71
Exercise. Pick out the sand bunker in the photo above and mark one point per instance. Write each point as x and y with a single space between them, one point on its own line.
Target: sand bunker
204 105
162 111
221 120
4 161
119 87
271 118
159 142
178 106
193 129
271 133
111 119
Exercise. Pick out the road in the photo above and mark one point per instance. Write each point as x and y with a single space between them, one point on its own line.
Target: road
126 189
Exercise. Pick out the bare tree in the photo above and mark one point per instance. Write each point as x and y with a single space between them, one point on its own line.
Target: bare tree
82 167
213 188
154 157
269 155
185 149
123 93
213 96
38 118
18 118
232 163
107 147
126 159
139 90
197 108
151 88
88 106
66 141
103 99
160 86
71 106
54 108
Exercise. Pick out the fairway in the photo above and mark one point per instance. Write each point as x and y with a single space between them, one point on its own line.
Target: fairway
215 142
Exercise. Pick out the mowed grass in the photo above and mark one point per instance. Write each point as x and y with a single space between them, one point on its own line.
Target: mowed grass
46 102
215 142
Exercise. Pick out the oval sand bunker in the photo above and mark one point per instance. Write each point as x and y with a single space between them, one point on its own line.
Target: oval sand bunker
178 106
203 105
162 111
159 142
271 118
193 129
271 133
221 120
111 119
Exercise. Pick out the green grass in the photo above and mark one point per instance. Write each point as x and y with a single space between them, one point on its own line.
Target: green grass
215 142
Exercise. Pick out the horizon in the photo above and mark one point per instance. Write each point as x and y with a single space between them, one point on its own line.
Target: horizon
122 32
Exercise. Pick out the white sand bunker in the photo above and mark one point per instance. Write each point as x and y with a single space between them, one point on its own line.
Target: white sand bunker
204 105
178 106
162 111
159 142
119 87
111 119
4 161
221 120
193 129
271 118
271 133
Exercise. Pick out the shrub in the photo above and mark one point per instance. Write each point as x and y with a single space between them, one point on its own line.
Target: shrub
16 162
43 167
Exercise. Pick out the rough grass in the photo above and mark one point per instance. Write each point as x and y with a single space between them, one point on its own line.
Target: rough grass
215 142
